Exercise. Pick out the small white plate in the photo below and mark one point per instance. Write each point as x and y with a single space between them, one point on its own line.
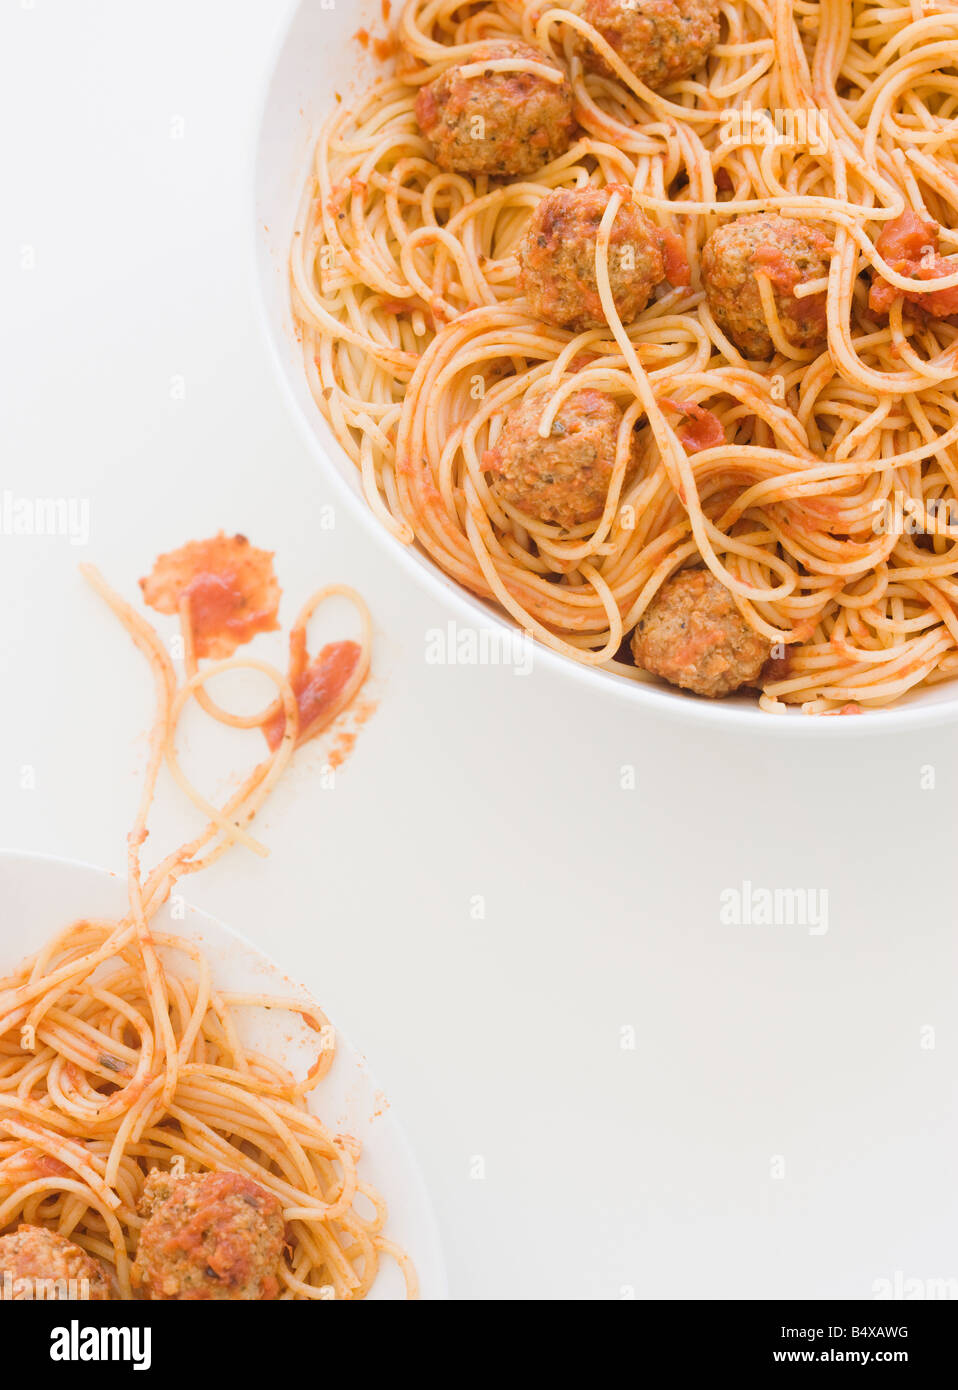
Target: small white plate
40 896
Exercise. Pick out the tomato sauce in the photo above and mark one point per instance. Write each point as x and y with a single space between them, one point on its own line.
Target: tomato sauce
346 740
232 594
941 304
677 268
704 430
382 48
29 1164
910 246
427 108
230 587
317 689
907 238
783 272
413 305
584 359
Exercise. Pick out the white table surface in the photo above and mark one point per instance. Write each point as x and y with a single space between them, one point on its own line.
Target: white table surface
561 1163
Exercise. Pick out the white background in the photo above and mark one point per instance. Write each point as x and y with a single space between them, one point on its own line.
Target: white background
133 376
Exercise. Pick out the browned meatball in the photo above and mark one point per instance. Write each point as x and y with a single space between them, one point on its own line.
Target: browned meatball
208 1236
790 253
563 479
693 635
504 123
662 41
52 1266
557 258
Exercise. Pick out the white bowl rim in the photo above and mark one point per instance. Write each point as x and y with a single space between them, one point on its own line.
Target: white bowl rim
667 703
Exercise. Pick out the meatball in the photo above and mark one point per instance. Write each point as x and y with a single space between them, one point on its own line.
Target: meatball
662 41
557 258
693 635
789 253
563 479
208 1236
53 1266
503 123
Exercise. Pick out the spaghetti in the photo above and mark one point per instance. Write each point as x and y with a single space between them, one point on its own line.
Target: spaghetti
119 1055
829 508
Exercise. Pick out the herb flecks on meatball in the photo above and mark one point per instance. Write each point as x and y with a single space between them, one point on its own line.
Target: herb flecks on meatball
557 257
693 635
208 1236
502 123
37 1263
662 41
565 478
789 253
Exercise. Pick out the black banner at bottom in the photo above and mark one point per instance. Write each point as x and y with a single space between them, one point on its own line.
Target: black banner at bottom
723 1338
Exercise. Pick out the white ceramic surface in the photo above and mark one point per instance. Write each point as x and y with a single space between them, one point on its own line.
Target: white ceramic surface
41 895
317 57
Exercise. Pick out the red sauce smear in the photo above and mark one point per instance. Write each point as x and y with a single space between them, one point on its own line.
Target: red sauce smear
30 1164
910 246
785 274
427 109
346 741
782 272
705 430
337 197
677 269
907 238
317 688
382 48
49 1167
231 587
400 307
850 708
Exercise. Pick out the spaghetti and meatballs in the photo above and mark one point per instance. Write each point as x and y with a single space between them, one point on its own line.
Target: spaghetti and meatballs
208 1236
563 478
36 1263
736 223
492 115
557 271
693 636
661 41
785 252
147 1149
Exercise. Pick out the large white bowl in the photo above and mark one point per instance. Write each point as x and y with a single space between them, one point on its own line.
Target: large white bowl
318 55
